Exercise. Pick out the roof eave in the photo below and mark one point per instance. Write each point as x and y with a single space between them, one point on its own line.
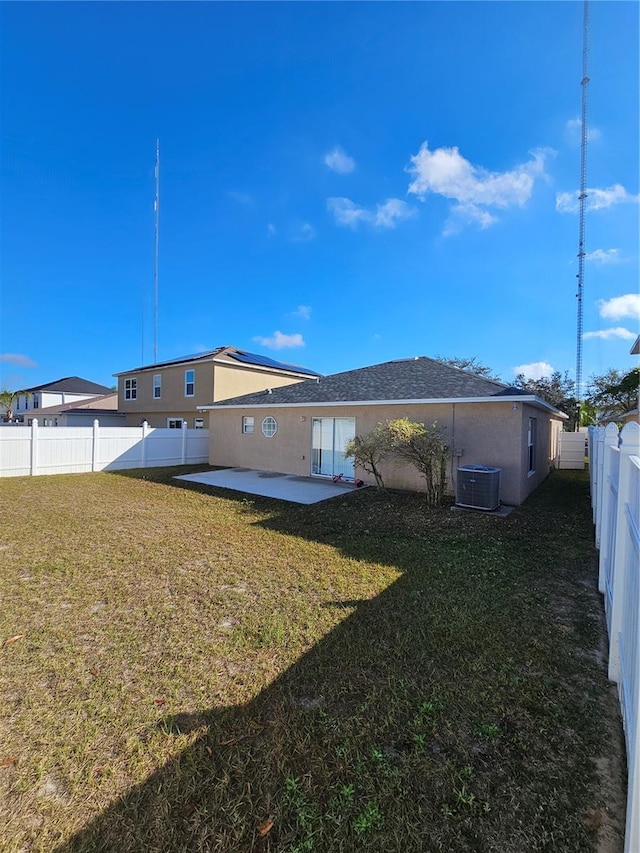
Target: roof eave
521 398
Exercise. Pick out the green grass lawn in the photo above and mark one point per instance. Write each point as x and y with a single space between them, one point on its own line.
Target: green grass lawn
185 669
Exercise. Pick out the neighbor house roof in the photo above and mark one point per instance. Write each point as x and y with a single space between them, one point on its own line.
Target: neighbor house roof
102 403
415 380
224 354
71 385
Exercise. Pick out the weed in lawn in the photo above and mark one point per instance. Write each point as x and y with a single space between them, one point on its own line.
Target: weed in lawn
368 821
487 731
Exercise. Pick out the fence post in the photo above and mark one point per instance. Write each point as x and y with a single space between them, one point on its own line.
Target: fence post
630 447
606 441
601 445
592 469
143 449
94 445
606 517
34 448
183 453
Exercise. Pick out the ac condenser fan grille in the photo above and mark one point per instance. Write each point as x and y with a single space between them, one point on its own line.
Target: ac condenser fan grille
478 487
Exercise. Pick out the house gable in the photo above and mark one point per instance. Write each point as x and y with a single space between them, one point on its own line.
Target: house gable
182 387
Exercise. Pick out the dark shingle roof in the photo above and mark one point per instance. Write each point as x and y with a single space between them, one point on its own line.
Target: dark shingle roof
72 385
241 356
407 379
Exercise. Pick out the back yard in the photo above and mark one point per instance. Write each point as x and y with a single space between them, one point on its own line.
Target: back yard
184 669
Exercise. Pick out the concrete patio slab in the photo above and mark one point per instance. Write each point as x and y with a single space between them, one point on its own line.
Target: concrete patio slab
271 484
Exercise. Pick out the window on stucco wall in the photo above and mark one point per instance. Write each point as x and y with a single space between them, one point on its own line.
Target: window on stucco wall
531 444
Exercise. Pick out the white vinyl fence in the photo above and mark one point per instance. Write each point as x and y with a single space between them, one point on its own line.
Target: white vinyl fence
572 450
32 450
614 470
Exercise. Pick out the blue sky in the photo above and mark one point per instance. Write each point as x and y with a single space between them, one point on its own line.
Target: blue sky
340 184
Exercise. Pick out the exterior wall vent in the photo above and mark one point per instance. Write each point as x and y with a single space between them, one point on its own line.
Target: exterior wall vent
478 487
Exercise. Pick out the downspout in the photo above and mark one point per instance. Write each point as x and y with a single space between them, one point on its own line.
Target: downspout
453 443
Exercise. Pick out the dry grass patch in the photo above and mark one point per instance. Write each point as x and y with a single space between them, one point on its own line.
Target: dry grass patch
198 671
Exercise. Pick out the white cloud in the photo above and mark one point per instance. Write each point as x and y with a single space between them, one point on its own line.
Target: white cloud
346 212
391 211
302 311
534 370
617 332
620 306
339 161
604 256
271 230
466 214
17 359
302 232
446 172
385 215
280 341
597 199
573 132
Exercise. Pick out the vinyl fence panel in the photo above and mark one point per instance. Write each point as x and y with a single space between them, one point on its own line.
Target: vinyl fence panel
39 450
618 493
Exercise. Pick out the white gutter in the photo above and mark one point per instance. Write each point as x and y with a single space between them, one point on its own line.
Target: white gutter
530 399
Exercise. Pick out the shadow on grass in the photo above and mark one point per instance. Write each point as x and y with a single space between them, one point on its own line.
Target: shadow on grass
452 712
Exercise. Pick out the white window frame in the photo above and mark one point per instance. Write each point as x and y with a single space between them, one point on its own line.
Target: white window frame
190 382
248 424
198 423
532 434
268 424
175 423
157 386
131 389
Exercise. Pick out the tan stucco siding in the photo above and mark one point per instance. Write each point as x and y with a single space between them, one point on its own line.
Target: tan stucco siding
173 403
213 382
491 434
234 381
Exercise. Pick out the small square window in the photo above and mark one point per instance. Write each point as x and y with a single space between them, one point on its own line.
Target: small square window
198 423
247 425
269 427
189 383
175 423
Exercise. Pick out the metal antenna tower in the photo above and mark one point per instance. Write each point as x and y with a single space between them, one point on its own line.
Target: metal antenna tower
582 198
156 208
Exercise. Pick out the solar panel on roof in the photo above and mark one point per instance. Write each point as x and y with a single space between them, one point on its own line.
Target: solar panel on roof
265 361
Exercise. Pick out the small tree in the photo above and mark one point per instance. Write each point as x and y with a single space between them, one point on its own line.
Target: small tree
472 365
8 401
614 393
369 450
423 447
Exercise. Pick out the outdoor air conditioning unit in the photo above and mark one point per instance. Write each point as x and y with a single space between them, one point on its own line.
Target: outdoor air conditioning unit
478 487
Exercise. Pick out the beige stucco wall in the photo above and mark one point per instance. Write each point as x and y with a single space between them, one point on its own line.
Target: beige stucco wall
213 382
173 403
233 381
485 434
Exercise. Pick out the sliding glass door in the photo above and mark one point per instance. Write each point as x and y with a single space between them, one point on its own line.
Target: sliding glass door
329 438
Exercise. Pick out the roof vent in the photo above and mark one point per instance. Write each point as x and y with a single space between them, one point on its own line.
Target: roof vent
269 391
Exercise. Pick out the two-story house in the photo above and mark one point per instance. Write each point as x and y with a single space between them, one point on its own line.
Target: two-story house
70 389
103 408
168 393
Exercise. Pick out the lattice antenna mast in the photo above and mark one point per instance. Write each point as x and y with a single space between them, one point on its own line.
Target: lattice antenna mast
156 208
582 198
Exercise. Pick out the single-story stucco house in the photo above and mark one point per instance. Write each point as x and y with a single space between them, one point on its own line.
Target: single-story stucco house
303 428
